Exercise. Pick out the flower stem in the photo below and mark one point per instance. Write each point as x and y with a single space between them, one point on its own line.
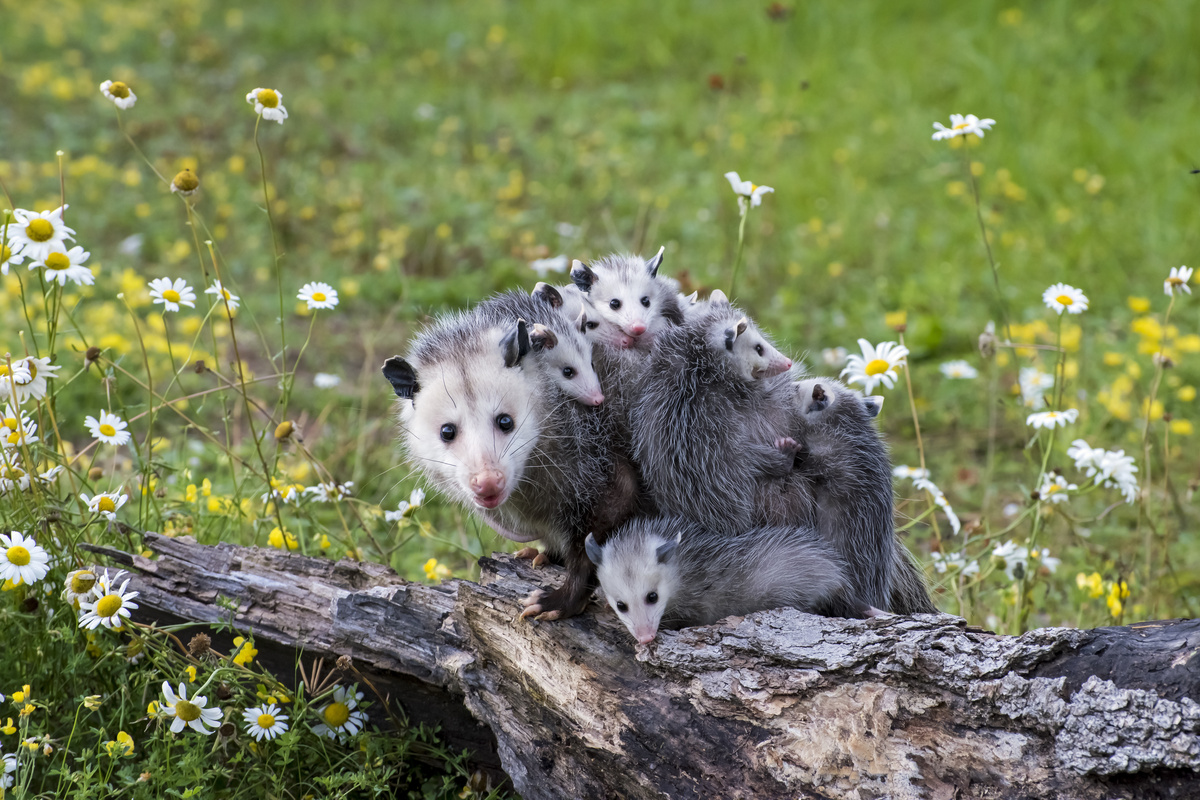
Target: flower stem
737 262
987 245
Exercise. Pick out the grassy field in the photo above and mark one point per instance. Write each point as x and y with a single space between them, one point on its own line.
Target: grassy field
433 151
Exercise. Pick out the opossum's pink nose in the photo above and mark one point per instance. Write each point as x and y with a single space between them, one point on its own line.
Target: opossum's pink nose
776 367
596 398
625 342
646 638
488 486
636 329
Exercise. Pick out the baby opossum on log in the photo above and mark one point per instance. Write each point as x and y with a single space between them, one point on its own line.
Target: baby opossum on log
669 572
505 442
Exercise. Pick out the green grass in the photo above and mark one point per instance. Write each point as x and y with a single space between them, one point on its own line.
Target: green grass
433 150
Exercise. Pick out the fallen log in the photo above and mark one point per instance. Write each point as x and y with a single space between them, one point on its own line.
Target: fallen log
774 704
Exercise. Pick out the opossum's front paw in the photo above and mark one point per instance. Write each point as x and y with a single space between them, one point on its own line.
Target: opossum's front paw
552 605
787 445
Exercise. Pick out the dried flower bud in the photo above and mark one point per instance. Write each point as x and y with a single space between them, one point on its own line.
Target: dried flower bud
987 341
223 691
95 473
199 645
478 782
343 663
1168 416
186 183
284 430
92 702
199 367
227 730
1164 361
92 353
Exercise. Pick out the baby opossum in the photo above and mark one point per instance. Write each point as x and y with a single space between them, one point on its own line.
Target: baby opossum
669 572
558 346
504 441
629 293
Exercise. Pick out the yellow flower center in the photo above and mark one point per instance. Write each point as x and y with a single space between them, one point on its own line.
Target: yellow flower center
187 711
1064 299
185 181
106 504
172 295
268 97
319 297
14 437
118 89
40 230
962 125
108 430
108 605
336 714
82 582
5 253
1174 281
18 555
877 367
10 423
58 261
266 720
12 473
1052 488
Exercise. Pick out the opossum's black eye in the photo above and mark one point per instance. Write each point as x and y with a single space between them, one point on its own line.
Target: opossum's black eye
591 326
568 373
621 606
758 349
614 304
652 598
646 302
449 432
504 422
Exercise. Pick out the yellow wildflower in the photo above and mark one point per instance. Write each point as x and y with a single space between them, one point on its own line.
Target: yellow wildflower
246 651
9 729
1093 584
191 673
121 746
1139 305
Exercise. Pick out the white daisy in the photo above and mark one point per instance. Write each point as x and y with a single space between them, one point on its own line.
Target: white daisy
9 255
17 428
121 95
746 189
50 475
189 713
325 380
13 477
110 606
944 561
265 721
911 473
834 356
959 369
68 266
1054 489
220 292
10 767
1033 384
109 429
1109 468
79 586
876 365
330 492
22 560
339 718
1048 561
106 503
39 234
544 266
939 498
268 103
28 377
962 126
1015 559
406 507
318 295
172 294
1178 279
1052 419
1060 297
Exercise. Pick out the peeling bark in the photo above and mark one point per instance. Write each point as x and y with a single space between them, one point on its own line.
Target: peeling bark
774 704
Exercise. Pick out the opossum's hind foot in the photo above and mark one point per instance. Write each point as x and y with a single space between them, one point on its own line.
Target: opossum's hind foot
813 396
535 558
556 604
787 445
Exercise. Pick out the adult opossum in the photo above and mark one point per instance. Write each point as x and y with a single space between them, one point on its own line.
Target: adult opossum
628 292
669 572
505 442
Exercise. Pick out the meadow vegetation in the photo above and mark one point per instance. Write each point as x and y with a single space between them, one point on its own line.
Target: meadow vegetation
1041 390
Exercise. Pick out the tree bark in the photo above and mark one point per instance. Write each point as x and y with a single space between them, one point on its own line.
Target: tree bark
774 704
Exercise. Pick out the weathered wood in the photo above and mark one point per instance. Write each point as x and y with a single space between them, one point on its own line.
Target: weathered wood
775 704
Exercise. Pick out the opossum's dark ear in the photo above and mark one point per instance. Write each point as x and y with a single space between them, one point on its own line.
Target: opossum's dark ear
402 377
547 293
667 549
652 264
873 404
742 324
542 338
731 335
515 344
582 275
718 296
595 552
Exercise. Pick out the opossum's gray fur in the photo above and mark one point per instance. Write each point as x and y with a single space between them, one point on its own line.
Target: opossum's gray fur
710 574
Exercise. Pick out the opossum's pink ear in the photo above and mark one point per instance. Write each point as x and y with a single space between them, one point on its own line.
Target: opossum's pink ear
667 549
582 275
547 293
873 404
515 344
402 377
595 552
542 338
693 298
718 296
653 264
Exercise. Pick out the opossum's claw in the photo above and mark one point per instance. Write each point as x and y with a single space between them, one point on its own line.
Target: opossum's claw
787 445
527 553
540 560
550 615
872 612
532 605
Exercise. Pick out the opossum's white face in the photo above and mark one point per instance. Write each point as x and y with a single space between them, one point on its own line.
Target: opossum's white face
570 365
473 424
753 356
627 296
579 311
637 577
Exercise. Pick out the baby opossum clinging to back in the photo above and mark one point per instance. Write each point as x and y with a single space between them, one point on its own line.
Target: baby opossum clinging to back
668 572
629 293
505 442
